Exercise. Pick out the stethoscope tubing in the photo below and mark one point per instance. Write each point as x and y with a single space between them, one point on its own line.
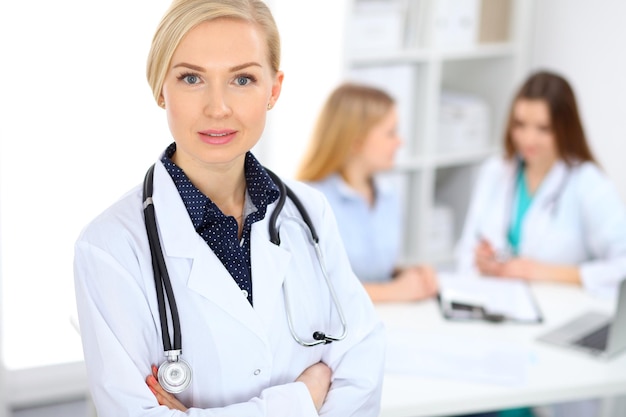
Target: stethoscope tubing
161 276
163 284
319 337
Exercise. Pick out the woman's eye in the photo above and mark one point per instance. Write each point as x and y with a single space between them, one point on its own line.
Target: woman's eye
243 80
191 79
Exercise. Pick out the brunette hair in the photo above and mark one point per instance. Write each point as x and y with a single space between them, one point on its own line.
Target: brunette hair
565 121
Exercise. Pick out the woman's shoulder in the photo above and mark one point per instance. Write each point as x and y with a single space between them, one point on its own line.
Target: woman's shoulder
121 216
305 190
493 170
497 164
332 187
589 170
327 184
591 178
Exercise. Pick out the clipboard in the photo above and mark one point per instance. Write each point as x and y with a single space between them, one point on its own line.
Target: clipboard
490 299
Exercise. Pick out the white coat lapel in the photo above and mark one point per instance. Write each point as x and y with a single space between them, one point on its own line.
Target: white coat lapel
183 246
539 215
498 209
269 267
209 278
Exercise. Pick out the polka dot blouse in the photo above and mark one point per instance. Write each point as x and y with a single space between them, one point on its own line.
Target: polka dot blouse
220 231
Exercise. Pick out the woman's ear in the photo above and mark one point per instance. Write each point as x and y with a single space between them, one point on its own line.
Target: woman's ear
276 89
356 147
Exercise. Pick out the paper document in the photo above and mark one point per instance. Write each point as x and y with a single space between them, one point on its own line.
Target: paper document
448 356
487 298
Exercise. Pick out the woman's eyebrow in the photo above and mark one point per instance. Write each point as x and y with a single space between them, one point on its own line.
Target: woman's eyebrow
232 69
242 66
190 66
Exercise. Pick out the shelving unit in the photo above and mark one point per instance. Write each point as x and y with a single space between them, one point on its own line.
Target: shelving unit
416 70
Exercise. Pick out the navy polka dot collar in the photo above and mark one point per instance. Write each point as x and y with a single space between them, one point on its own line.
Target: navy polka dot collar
260 187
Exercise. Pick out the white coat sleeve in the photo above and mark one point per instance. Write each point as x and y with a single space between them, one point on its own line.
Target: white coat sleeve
604 222
357 362
464 251
118 334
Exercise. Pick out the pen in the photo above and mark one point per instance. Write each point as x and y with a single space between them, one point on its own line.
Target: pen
499 255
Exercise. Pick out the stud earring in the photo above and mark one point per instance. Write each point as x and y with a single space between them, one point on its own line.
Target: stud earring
269 106
162 104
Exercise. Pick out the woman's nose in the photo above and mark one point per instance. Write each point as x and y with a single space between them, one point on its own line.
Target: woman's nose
216 104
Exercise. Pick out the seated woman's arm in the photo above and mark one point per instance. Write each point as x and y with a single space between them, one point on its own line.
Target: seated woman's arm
408 284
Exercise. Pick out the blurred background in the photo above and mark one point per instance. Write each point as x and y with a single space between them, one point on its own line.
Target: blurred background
75 103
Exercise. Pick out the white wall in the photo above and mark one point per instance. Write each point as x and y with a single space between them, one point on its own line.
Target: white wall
312 37
4 411
75 102
586 42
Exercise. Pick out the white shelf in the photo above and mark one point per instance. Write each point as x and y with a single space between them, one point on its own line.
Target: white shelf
465 157
429 176
391 57
47 384
449 159
422 55
483 51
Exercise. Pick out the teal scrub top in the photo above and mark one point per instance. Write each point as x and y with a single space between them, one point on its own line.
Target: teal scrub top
521 203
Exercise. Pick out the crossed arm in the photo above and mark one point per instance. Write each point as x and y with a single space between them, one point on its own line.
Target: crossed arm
316 378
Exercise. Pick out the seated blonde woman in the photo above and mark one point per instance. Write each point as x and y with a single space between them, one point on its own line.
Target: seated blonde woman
355 139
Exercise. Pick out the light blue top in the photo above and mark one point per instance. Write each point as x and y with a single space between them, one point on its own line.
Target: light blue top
371 234
522 202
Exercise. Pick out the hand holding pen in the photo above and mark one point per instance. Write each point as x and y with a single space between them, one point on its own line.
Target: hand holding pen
486 258
501 263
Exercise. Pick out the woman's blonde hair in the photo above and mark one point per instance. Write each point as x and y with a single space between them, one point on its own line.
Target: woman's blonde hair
348 115
184 15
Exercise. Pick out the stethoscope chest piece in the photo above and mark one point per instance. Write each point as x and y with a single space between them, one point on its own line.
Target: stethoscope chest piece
174 374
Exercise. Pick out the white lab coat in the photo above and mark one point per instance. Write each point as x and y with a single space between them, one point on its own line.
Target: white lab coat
576 218
244 359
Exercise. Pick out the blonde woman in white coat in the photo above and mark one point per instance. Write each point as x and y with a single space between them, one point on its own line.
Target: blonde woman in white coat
546 210
214 68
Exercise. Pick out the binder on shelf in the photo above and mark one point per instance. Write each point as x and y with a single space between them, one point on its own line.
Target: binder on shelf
463 122
416 35
494 26
487 298
377 25
441 233
456 24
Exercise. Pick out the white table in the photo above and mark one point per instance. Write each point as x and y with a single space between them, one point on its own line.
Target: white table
553 374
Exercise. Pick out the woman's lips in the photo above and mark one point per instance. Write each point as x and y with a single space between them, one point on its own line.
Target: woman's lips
217 137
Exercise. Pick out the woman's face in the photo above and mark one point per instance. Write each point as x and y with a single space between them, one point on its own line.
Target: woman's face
532 133
378 149
216 92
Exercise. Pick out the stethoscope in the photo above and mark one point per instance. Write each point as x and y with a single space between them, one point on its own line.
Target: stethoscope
174 374
551 202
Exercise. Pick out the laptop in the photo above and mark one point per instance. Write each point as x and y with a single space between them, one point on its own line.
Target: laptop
594 333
